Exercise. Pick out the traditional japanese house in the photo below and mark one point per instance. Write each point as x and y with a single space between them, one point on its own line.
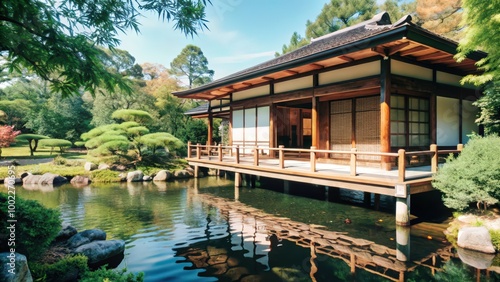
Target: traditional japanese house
376 86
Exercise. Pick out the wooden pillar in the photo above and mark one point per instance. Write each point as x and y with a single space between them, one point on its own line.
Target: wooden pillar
403 243
237 179
196 171
434 158
315 122
313 159
385 112
402 205
210 130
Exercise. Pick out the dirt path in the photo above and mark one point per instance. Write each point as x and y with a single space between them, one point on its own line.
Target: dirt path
26 161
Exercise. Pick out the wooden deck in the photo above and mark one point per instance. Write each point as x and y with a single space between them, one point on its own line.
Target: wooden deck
398 182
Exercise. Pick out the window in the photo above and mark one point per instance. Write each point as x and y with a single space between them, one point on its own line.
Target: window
409 121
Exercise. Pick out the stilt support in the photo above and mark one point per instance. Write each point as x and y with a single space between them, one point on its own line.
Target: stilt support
286 186
402 205
403 243
237 179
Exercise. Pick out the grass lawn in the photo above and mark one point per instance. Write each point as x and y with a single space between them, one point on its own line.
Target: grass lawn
23 152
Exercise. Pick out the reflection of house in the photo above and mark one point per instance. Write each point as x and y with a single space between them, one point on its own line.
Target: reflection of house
376 86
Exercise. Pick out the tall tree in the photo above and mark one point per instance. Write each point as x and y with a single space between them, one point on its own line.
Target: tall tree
442 17
58 40
192 64
482 24
399 8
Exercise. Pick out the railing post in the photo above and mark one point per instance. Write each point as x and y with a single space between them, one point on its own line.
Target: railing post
313 159
401 165
237 154
198 151
256 156
220 152
354 157
281 156
460 147
435 158
189 150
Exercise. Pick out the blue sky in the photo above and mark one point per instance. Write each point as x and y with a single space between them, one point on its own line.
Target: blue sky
242 33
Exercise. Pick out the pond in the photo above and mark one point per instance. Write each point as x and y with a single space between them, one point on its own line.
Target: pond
206 230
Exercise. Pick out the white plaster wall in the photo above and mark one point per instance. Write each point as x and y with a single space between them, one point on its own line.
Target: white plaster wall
251 93
217 103
294 84
469 115
363 70
448 110
410 70
237 127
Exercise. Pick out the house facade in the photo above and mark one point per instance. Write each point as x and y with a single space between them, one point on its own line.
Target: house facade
376 86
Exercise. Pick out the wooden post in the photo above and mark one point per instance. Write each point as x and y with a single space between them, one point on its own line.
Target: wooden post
313 159
385 112
281 157
220 152
435 158
315 122
402 204
460 147
237 157
196 171
353 161
210 131
198 151
189 150
237 180
256 156
401 165
403 243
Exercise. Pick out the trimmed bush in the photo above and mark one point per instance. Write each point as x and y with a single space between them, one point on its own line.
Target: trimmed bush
473 177
104 176
60 269
51 143
32 140
36 225
103 274
125 115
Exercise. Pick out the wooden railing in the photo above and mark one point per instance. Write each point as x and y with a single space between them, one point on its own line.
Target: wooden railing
218 152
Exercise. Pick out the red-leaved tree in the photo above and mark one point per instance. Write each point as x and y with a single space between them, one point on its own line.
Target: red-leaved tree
7 136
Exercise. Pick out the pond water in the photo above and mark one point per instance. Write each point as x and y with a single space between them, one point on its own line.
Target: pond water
205 230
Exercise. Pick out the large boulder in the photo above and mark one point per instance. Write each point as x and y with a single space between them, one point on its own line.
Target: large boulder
147 178
98 251
80 180
90 166
51 178
162 175
12 181
66 232
476 239
31 179
134 176
14 268
179 174
85 237
103 166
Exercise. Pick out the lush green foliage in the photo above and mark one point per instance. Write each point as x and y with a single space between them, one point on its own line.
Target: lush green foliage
138 116
32 140
51 143
104 274
55 271
191 63
104 176
482 23
489 104
37 225
59 41
472 177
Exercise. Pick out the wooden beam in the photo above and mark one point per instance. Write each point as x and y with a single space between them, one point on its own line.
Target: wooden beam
413 50
246 83
351 86
346 58
394 49
381 51
316 66
292 72
435 55
267 78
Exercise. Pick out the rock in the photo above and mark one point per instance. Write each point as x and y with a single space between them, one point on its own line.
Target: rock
147 178
134 176
163 175
31 179
51 178
475 238
181 174
12 181
14 268
98 251
67 232
80 180
24 174
118 167
475 259
85 237
103 166
123 177
89 166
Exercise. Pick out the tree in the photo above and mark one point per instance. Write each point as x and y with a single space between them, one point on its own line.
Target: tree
51 143
472 177
7 136
191 63
442 17
399 8
59 40
296 42
32 140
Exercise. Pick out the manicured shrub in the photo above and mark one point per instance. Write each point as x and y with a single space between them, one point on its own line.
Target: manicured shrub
103 274
52 143
62 268
35 228
104 176
473 177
